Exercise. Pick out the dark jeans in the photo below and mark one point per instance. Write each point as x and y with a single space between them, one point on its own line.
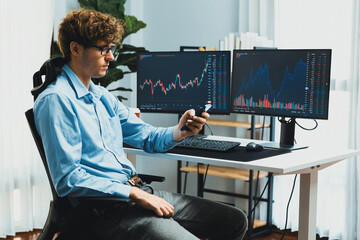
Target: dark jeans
194 218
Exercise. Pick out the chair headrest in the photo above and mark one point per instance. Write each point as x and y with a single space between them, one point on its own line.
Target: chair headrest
51 69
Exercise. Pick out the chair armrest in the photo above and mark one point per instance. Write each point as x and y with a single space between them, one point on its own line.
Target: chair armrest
151 178
144 177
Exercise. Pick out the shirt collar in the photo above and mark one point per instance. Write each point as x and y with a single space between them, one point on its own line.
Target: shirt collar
78 86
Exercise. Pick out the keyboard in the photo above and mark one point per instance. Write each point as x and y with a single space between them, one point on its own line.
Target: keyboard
207 144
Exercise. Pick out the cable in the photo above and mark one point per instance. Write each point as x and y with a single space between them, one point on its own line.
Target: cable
255 197
258 199
283 120
287 208
209 129
308 129
256 188
205 175
187 164
257 202
185 179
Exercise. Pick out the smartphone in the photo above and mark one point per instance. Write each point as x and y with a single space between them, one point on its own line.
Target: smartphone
198 113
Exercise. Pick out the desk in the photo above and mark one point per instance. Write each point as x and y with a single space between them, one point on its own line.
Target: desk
306 162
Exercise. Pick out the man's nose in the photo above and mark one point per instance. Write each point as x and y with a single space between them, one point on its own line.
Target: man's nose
110 56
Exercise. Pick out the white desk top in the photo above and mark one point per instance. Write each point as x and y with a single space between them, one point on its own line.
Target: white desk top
302 160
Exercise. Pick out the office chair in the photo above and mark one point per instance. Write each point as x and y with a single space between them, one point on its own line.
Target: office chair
61 208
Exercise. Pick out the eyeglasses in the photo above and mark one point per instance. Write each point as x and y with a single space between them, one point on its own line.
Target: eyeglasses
105 50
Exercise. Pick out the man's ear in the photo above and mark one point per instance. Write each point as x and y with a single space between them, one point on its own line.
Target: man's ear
75 48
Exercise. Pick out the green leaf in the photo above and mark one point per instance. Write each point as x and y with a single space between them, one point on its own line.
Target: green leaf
121 98
55 50
130 48
124 59
121 89
84 3
114 9
129 60
88 4
118 1
128 56
133 25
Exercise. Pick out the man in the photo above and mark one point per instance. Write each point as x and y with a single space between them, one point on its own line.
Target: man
83 128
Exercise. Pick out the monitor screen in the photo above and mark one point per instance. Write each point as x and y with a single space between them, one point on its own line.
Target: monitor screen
285 83
173 82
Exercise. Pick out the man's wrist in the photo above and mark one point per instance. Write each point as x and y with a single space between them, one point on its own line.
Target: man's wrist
177 134
134 193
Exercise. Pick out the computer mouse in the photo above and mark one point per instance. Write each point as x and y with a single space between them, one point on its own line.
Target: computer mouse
254 147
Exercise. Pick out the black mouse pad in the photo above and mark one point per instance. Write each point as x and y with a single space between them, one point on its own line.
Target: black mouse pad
238 153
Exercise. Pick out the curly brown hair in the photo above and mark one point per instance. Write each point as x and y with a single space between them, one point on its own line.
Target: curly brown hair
88 27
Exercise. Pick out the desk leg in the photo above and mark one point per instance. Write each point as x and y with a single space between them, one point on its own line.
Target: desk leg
250 206
200 182
307 208
179 165
269 200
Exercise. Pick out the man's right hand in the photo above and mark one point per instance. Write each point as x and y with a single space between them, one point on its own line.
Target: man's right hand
149 201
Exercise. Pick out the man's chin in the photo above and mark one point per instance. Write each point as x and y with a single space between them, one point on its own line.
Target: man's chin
100 75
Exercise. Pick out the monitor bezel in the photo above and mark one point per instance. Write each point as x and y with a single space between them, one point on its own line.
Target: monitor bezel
172 111
256 111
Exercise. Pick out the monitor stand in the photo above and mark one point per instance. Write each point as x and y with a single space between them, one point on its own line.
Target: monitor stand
287 137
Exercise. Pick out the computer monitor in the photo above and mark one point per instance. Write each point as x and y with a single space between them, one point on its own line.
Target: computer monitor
173 82
283 83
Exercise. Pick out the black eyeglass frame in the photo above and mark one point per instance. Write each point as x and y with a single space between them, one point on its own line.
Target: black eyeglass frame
105 50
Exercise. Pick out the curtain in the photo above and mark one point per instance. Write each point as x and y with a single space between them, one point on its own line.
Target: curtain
353 170
26 30
331 198
308 28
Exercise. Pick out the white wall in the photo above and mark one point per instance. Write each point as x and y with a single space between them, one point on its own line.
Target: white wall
318 24
195 23
63 7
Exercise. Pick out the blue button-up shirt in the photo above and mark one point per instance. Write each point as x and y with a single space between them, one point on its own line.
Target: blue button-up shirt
83 132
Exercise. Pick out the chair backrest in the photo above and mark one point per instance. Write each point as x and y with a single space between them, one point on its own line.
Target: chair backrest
50 69
31 121
61 208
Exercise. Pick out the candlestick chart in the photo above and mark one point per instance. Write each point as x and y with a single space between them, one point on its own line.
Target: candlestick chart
175 85
177 81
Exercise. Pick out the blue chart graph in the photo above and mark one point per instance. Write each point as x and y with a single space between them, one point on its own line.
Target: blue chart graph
258 91
282 82
177 81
